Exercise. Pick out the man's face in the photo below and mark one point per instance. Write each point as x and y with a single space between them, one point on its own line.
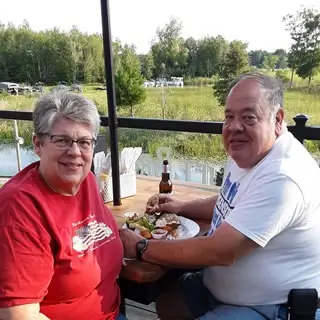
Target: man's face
64 168
249 131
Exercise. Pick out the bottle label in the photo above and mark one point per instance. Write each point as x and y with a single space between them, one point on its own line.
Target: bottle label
165 168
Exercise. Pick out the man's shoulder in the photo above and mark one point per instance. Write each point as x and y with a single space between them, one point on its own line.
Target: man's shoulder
287 149
288 157
292 166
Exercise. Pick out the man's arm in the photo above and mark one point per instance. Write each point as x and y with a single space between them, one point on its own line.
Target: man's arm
24 312
223 248
200 208
194 209
252 223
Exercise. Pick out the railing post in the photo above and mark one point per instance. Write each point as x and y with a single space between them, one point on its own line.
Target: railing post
18 142
112 112
300 121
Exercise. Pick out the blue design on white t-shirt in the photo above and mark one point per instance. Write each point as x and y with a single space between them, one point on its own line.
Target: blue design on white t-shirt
223 206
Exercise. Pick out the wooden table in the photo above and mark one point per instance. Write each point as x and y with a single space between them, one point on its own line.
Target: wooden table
144 272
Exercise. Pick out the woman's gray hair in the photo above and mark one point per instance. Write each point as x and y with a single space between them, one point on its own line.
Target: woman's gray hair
272 89
63 104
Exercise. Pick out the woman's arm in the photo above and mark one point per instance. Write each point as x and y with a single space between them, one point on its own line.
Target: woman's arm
27 264
24 312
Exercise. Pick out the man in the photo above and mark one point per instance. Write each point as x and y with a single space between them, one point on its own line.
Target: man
264 238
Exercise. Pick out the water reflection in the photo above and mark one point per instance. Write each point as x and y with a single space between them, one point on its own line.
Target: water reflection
8 160
194 171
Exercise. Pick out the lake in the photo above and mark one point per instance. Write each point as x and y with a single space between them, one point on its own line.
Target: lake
8 160
180 169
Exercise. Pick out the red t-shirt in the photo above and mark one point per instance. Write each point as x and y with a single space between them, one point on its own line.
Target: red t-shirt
61 251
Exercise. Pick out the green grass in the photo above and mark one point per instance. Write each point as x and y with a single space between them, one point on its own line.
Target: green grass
189 103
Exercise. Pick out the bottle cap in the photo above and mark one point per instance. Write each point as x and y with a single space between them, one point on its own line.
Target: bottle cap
165 162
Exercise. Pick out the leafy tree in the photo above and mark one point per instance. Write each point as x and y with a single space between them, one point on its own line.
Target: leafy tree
169 48
53 55
49 56
256 57
93 59
211 53
192 46
262 59
282 62
76 45
128 80
304 55
236 62
270 61
147 65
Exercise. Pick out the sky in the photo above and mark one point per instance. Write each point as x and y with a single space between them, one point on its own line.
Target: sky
135 21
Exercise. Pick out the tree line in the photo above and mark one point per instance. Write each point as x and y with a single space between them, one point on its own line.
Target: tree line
51 56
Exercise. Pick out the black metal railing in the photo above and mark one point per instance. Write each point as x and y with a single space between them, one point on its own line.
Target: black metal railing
300 130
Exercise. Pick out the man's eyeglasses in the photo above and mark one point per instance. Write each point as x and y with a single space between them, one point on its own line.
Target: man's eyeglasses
65 142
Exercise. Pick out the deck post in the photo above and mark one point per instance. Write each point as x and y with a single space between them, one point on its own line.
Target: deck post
112 110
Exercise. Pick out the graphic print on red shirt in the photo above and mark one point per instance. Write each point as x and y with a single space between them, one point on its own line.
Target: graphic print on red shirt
88 235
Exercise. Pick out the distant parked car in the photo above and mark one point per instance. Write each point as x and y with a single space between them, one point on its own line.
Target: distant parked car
25 89
149 84
9 87
38 87
61 86
76 87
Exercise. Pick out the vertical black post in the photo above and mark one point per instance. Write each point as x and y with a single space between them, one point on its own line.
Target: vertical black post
112 114
298 132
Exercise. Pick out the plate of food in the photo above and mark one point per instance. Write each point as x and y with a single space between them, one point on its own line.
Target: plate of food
160 226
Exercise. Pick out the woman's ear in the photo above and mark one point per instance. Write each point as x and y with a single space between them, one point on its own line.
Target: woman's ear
37 145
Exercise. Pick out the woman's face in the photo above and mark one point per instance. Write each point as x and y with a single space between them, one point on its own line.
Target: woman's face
65 163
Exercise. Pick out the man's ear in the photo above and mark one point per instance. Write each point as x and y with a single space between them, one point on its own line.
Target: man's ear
279 121
37 145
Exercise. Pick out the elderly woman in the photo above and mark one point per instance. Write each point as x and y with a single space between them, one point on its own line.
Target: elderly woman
59 245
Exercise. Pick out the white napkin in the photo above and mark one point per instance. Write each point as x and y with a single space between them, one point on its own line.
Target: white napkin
98 161
128 159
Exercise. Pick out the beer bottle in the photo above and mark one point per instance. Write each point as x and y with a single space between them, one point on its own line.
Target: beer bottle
165 185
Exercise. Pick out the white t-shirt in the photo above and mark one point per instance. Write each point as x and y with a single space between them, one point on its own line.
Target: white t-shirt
277 205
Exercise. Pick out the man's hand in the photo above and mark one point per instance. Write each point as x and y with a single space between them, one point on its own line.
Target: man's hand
129 241
165 204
